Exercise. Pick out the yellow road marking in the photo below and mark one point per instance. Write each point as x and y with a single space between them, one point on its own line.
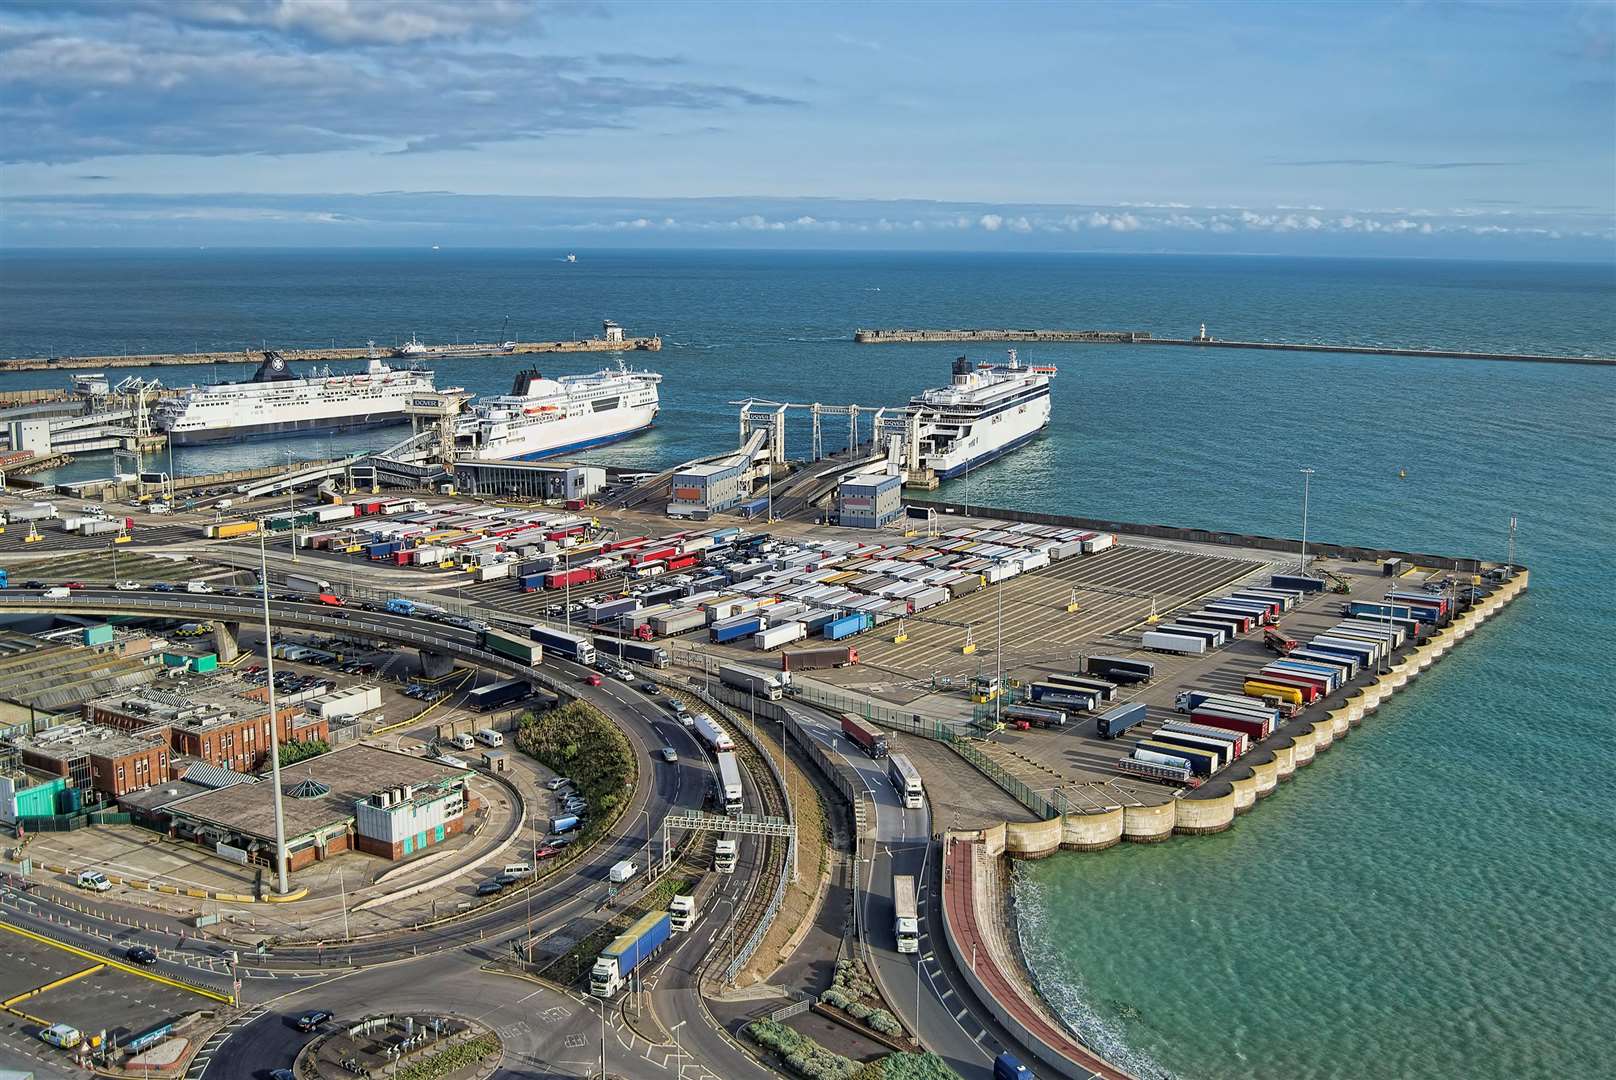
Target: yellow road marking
53 984
117 965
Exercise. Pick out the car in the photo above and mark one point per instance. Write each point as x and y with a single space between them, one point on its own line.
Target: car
650 688
143 955
93 880
72 584
312 1019
558 783
557 841
623 674
547 851
669 754
489 888
592 679
508 879
162 586
61 1036
33 584
129 586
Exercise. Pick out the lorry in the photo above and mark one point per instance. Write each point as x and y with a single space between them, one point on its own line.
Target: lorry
905 780
637 652
1120 669
864 735
711 733
628 951
622 873
512 647
824 656
905 918
724 855
571 646
1008 1067
563 824
729 781
496 694
1114 722
765 684
682 913
1277 642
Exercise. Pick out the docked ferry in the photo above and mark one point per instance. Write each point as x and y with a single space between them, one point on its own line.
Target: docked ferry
542 416
986 411
277 402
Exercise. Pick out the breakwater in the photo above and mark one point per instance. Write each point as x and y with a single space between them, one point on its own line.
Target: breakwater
1138 337
249 356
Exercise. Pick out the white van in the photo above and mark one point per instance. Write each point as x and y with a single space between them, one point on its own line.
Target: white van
463 741
157 508
225 504
518 869
622 872
489 737
94 880
58 593
198 587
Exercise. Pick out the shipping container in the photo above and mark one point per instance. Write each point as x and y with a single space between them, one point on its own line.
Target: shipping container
1115 721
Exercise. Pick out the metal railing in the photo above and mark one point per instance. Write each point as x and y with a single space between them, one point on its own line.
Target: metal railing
1013 787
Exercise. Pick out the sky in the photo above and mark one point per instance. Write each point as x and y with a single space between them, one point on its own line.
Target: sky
1419 129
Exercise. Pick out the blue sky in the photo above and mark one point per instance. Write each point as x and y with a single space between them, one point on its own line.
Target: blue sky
1417 129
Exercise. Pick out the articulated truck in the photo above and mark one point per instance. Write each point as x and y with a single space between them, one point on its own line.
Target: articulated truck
628 951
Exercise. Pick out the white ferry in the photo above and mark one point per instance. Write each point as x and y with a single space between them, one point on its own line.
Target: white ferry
986 411
541 417
277 402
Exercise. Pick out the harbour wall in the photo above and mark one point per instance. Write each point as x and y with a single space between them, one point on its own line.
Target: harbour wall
79 363
1214 807
1207 536
1140 337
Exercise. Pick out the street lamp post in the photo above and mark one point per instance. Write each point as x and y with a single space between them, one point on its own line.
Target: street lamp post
678 1049
274 727
1307 478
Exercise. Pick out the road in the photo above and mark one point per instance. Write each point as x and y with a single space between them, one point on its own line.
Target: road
922 988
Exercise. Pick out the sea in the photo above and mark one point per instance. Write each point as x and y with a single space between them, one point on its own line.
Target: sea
1432 898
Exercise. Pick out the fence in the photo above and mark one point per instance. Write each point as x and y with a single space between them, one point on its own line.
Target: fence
1017 790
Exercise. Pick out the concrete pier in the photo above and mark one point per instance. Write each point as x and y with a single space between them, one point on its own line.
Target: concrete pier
1139 337
523 348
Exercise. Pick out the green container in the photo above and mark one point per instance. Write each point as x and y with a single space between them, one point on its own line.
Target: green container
174 659
205 662
40 801
97 635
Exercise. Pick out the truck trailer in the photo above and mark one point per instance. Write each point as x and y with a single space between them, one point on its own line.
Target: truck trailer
515 648
638 652
1115 721
905 916
824 656
571 646
865 735
710 733
765 684
729 782
628 951
1121 669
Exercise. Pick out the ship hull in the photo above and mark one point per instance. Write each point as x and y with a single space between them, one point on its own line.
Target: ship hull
565 436
284 429
990 456
993 436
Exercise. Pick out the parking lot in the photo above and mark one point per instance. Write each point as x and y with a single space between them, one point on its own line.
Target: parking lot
110 999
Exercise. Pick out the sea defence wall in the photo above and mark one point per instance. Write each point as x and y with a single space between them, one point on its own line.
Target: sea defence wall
1141 337
80 363
1213 807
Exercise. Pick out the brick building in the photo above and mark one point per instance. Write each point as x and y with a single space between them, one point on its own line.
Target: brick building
224 723
98 759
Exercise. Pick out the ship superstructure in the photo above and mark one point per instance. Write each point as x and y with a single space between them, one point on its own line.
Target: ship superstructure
543 416
986 411
275 401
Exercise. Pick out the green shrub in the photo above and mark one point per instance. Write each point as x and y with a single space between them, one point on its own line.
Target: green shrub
293 752
835 999
577 740
801 1055
858 1010
452 1060
904 1066
884 1022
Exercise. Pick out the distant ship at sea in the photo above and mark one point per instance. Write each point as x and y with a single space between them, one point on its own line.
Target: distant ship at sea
277 402
541 416
413 349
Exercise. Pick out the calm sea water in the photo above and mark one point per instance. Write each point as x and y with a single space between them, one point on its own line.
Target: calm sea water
1433 898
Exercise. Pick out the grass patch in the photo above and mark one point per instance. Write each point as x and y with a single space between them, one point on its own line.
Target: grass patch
577 740
452 1060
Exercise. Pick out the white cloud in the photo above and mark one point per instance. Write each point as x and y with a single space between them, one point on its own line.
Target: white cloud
990 222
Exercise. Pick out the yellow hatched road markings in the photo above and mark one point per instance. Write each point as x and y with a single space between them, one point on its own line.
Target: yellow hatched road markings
116 964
